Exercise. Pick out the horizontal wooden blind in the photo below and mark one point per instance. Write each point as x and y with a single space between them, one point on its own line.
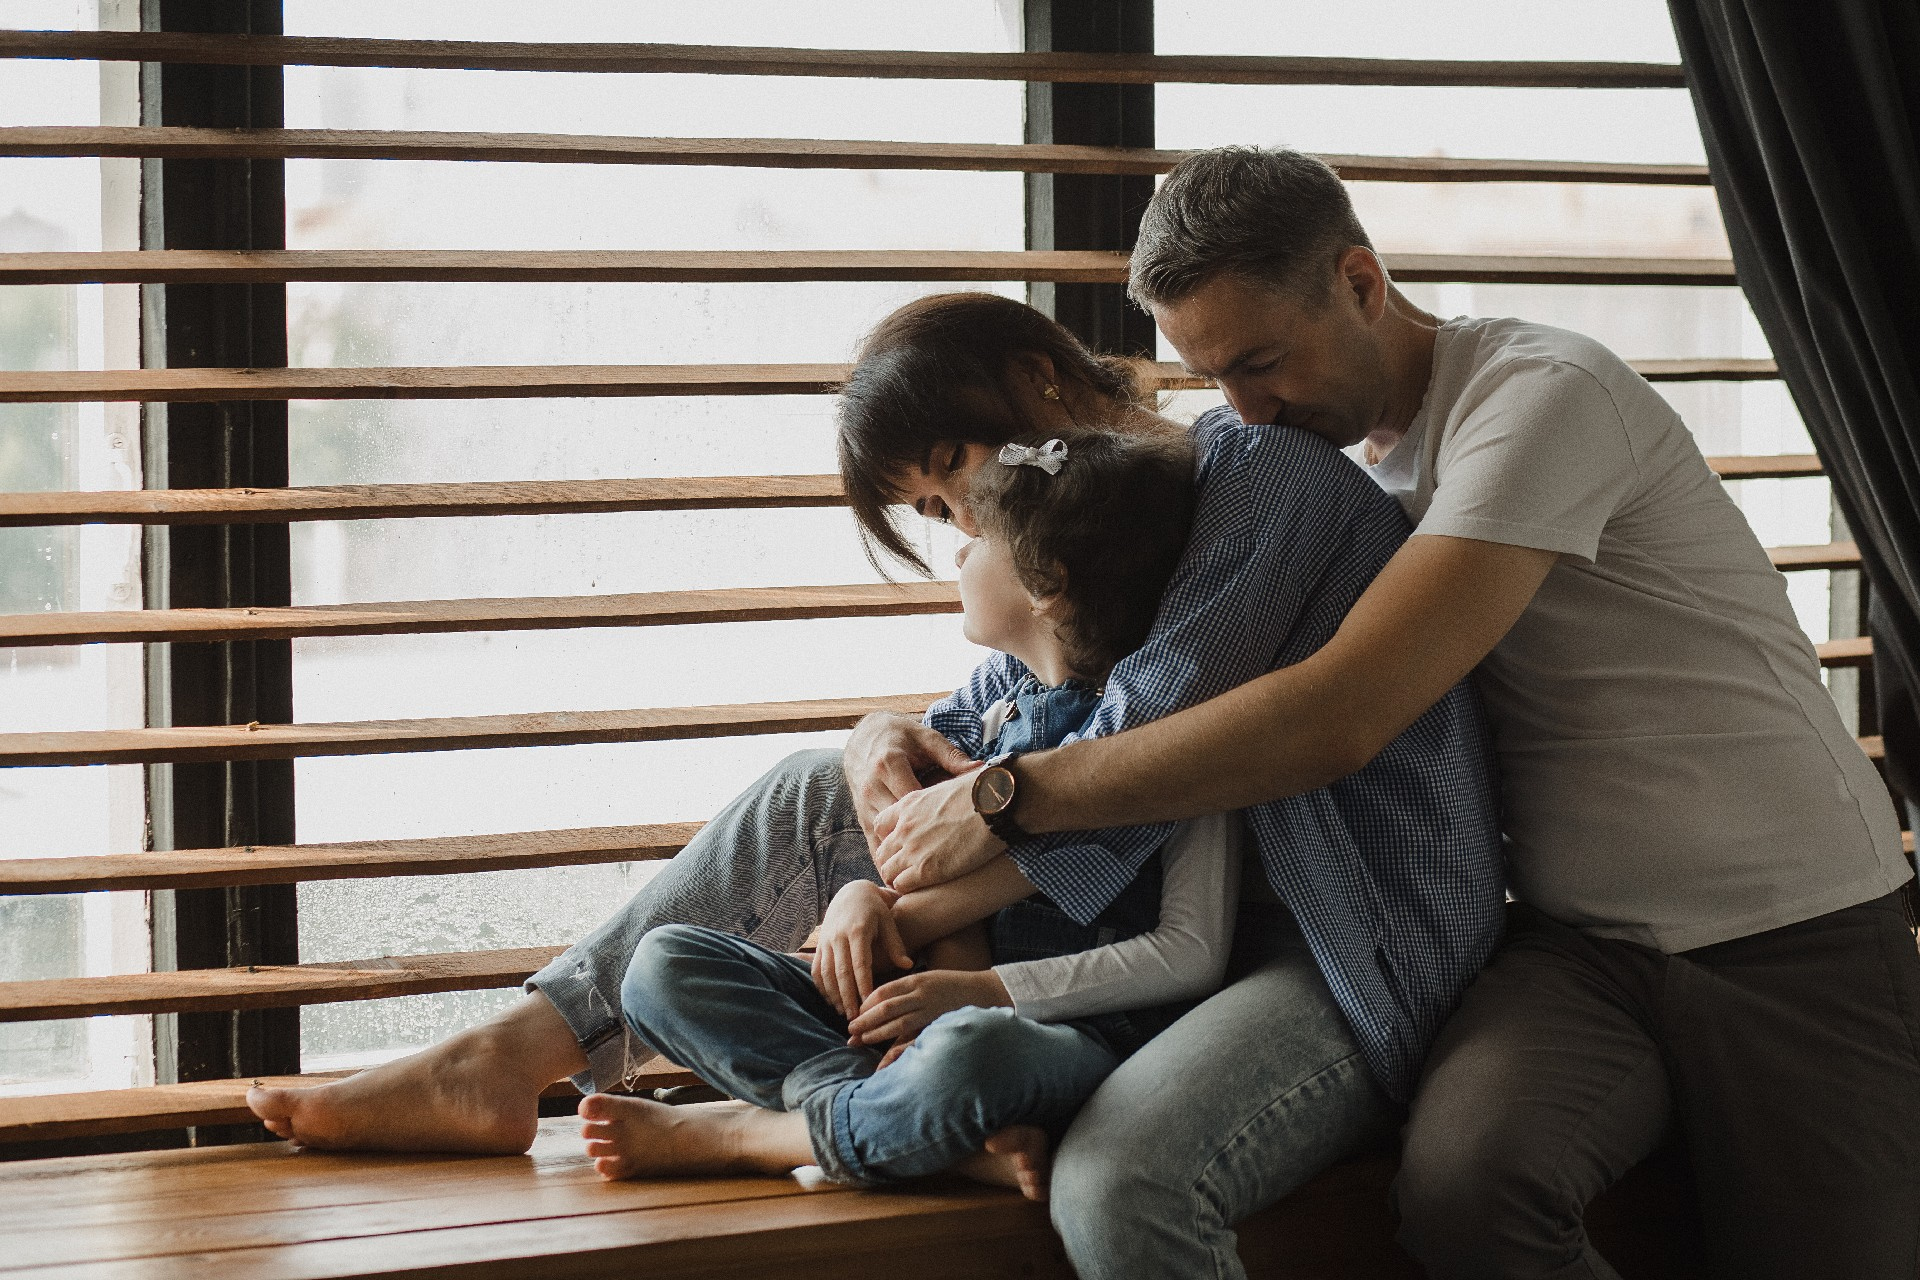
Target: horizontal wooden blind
220 1101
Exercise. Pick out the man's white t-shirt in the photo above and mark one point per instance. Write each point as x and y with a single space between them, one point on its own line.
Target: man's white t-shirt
1673 772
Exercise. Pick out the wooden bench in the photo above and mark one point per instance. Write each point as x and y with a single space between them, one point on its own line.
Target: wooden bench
260 1211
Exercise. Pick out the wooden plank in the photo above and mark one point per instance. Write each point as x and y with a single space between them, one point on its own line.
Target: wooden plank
347 860
776 153
400 501
1715 370
117 1183
462 382
242 1222
58 1116
1830 555
456 733
265 266
1059 68
487 382
948 1233
1781 466
519 613
1856 651
269 986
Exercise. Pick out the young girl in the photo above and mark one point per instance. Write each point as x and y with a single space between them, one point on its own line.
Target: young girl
1013 1025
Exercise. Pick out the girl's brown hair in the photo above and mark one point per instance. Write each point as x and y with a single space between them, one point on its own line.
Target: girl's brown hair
943 368
1105 533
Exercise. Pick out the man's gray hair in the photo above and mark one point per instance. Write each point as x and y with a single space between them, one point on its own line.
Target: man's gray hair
1274 217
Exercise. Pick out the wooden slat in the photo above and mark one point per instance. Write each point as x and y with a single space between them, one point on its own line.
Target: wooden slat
1059 68
521 613
1716 370
486 382
269 986
1856 651
464 382
396 501
1781 466
520 497
175 142
347 860
57 1116
458 733
1829 555
267 266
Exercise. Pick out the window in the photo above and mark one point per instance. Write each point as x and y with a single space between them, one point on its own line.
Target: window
53 205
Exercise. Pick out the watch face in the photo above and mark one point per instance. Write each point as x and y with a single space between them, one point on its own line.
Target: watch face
995 790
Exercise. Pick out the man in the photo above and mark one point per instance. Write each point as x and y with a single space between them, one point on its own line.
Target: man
1708 929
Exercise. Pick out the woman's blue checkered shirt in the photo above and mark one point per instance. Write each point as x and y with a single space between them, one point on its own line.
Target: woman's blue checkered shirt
1394 872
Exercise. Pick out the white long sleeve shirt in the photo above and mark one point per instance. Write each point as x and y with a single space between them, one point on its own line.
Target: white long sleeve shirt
1184 957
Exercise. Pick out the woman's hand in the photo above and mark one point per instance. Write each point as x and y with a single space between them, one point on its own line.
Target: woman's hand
885 757
901 1009
859 924
933 835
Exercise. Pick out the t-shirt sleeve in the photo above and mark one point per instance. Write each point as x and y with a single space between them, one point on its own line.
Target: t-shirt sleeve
1543 460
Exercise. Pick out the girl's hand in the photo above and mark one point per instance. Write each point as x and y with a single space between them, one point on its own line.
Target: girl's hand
858 924
901 1009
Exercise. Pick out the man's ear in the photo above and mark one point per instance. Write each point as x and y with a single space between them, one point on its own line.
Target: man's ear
1360 272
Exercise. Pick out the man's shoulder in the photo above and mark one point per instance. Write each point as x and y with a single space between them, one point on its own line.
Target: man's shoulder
1499 349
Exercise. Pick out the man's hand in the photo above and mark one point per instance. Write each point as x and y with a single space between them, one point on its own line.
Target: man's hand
859 925
886 755
901 1009
931 836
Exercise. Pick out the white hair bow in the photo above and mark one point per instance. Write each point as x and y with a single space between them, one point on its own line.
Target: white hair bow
1049 457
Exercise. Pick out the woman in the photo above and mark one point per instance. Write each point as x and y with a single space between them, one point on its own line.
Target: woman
1263 1084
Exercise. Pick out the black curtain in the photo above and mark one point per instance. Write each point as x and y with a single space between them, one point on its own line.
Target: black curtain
1811 114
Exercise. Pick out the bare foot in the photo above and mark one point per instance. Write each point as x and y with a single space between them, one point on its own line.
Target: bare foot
477 1093
638 1138
1018 1157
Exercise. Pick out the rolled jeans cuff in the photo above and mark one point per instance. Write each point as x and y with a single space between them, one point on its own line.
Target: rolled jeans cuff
822 1088
603 1034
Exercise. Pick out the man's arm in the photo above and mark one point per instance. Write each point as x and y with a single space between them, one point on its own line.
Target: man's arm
1437 609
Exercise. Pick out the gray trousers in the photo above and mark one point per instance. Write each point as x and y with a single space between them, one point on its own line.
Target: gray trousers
1786 1060
1245 1098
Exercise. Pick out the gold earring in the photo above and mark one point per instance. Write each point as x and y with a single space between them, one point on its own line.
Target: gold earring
1049 392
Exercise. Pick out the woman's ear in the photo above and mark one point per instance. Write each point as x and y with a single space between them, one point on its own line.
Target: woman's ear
1037 373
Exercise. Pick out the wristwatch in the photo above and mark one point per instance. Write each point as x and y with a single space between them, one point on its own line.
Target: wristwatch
994 791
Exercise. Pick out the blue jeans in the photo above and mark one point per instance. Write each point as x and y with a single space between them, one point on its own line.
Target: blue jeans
1239 1102
750 1022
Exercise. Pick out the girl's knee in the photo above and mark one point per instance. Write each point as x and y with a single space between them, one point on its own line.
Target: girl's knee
661 961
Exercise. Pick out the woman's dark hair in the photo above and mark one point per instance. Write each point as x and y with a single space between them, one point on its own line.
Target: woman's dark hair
1105 533
943 368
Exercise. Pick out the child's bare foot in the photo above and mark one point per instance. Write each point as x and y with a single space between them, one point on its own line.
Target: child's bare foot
477 1093
1018 1157
638 1138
